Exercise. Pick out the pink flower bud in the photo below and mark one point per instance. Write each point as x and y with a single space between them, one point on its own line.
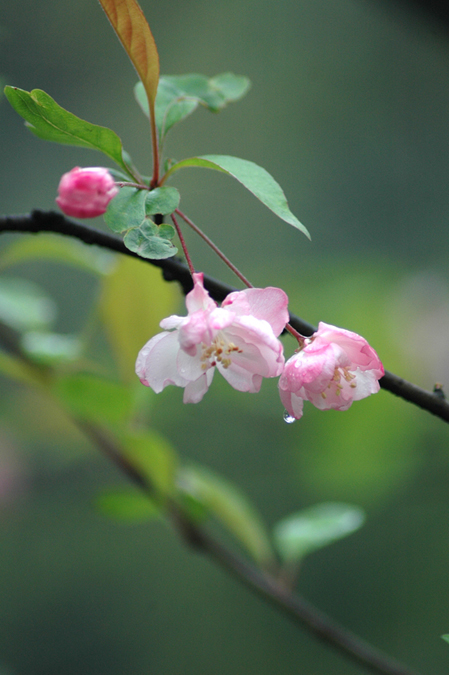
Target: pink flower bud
86 193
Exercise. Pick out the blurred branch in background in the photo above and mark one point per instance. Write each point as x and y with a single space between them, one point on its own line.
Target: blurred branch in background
175 270
432 9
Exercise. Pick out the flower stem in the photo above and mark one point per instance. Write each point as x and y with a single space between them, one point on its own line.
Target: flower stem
154 144
183 244
50 221
215 248
139 186
289 328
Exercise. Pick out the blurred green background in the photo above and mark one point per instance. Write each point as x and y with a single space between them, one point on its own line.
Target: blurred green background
348 111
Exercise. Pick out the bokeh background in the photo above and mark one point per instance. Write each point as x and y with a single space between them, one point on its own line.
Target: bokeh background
349 112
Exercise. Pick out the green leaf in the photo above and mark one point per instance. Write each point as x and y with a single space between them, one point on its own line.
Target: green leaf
17 369
126 210
306 531
149 241
250 175
134 299
130 206
51 348
154 457
163 200
24 306
231 87
47 120
179 95
230 507
95 399
57 249
445 637
127 506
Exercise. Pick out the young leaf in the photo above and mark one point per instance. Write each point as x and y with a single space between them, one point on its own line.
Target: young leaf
130 206
230 507
154 457
94 399
57 249
148 242
162 200
306 531
250 175
23 372
134 298
179 95
126 210
47 120
51 348
127 506
133 31
24 306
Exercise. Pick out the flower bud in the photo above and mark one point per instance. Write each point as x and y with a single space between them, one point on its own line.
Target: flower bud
86 193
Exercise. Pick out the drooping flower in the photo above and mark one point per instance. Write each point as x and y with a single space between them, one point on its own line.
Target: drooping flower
239 339
86 193
334 368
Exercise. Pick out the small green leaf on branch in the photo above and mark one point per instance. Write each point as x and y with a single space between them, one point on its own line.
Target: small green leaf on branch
127 506
130 207
151 240
126 210
24 305
163 200
95 399
51 349
58 249
306 531
153 456
179 95
224 501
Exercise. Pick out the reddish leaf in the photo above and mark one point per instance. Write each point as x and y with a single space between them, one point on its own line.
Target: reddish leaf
129 23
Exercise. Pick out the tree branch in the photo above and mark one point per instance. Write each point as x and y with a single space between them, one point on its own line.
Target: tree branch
268 587
175 270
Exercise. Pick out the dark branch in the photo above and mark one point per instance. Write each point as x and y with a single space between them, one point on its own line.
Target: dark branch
175 270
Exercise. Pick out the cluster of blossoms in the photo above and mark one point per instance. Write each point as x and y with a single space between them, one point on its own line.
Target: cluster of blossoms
332 369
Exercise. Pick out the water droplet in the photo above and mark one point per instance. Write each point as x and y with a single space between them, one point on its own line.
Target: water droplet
289 419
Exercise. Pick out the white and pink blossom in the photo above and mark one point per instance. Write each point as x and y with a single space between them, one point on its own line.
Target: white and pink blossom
334 368
86 193
239 339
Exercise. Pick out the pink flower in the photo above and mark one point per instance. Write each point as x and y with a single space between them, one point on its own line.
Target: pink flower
86 193
239 339
334 368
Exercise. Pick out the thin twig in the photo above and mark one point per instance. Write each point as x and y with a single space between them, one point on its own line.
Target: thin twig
215 249
175 270
184 245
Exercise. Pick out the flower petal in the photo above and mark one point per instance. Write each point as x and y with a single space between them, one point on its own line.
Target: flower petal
194 391
156 362
269 304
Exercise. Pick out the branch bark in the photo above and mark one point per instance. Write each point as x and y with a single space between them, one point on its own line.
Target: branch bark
175 270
